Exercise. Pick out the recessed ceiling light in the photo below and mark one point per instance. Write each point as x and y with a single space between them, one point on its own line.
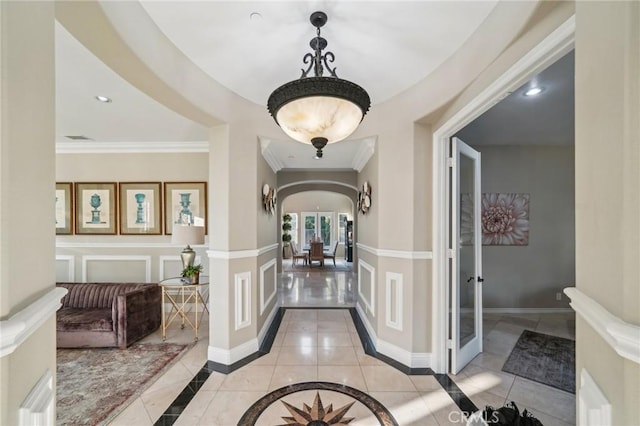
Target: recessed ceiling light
103 99
534 91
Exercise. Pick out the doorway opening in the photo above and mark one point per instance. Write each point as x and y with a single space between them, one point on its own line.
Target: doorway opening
557 44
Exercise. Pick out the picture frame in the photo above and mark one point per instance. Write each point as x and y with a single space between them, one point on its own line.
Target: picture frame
185 202
140 208
64 208
96 207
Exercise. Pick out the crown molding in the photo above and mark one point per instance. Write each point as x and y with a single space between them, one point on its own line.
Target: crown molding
93 147
364 154
271 159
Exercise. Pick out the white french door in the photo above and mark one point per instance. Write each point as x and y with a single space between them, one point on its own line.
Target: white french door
465 256
319 224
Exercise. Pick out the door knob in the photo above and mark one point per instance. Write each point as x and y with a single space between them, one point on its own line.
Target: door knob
480 279
470 279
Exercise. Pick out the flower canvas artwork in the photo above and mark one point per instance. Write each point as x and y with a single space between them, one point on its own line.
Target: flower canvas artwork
504 219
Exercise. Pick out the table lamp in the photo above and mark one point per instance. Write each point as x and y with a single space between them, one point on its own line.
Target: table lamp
187 234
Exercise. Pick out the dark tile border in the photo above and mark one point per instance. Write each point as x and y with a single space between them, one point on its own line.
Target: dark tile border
171 414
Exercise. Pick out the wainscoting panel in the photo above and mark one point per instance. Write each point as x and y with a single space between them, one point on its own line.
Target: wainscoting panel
593 407
394 306
118 268
268 285
367 285
65 268
38 408
242 300
171 266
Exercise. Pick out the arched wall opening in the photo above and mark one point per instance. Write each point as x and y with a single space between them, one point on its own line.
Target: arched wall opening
308 196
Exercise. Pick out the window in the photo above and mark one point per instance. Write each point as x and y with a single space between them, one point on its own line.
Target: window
342 223
294 227
317 225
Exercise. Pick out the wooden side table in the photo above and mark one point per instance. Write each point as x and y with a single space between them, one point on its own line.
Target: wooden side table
179 294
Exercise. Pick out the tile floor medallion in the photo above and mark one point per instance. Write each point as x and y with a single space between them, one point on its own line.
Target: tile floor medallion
316 339
305 404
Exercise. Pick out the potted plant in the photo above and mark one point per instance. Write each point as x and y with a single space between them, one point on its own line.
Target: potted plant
286 236
192 273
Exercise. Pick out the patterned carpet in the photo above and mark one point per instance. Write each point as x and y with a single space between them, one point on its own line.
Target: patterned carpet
93 385
546 359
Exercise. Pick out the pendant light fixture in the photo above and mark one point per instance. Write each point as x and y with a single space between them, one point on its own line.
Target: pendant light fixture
318 109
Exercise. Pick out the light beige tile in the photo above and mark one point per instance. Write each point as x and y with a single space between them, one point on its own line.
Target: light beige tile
227 407
292 355
158 401
279 337
386 379
425 383
364 359
331 315
214 381
346 375
408 408
302 326
134 414
303 338
499 342
249 378
178 373
303 315
328 339
490 361
195 359
332 326
337 355
285 375
442 407
554 402
196 408
268 359
473 379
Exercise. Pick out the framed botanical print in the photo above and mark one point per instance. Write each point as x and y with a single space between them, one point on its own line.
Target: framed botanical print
185 202
96 206
64 208
140 208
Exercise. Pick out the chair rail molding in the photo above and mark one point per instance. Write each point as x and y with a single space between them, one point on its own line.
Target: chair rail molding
240 254
20 326
622 336
398 254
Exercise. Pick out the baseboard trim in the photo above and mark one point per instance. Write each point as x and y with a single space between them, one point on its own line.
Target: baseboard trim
527 310
401 359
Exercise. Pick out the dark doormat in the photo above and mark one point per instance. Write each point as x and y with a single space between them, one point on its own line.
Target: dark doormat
546 359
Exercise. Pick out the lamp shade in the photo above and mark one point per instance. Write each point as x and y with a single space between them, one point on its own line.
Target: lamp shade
187 235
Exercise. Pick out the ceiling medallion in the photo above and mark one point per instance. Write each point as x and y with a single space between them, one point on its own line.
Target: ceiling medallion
316 109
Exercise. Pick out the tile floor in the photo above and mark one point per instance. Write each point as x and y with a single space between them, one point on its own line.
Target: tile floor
323 345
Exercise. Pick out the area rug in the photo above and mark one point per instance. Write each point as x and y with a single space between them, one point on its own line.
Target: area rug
545 359
94 385
341 266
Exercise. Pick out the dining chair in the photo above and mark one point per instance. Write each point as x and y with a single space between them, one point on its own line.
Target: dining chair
331 254
296 254
317 253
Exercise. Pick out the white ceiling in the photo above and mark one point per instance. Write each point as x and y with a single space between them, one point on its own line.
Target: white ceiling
379 45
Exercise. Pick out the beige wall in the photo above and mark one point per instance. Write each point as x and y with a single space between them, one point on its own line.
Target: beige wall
530 276
127 167
27 175
607 189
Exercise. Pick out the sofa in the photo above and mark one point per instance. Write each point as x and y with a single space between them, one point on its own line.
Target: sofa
107 314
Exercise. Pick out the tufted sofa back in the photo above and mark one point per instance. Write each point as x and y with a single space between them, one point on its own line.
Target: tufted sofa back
94 295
